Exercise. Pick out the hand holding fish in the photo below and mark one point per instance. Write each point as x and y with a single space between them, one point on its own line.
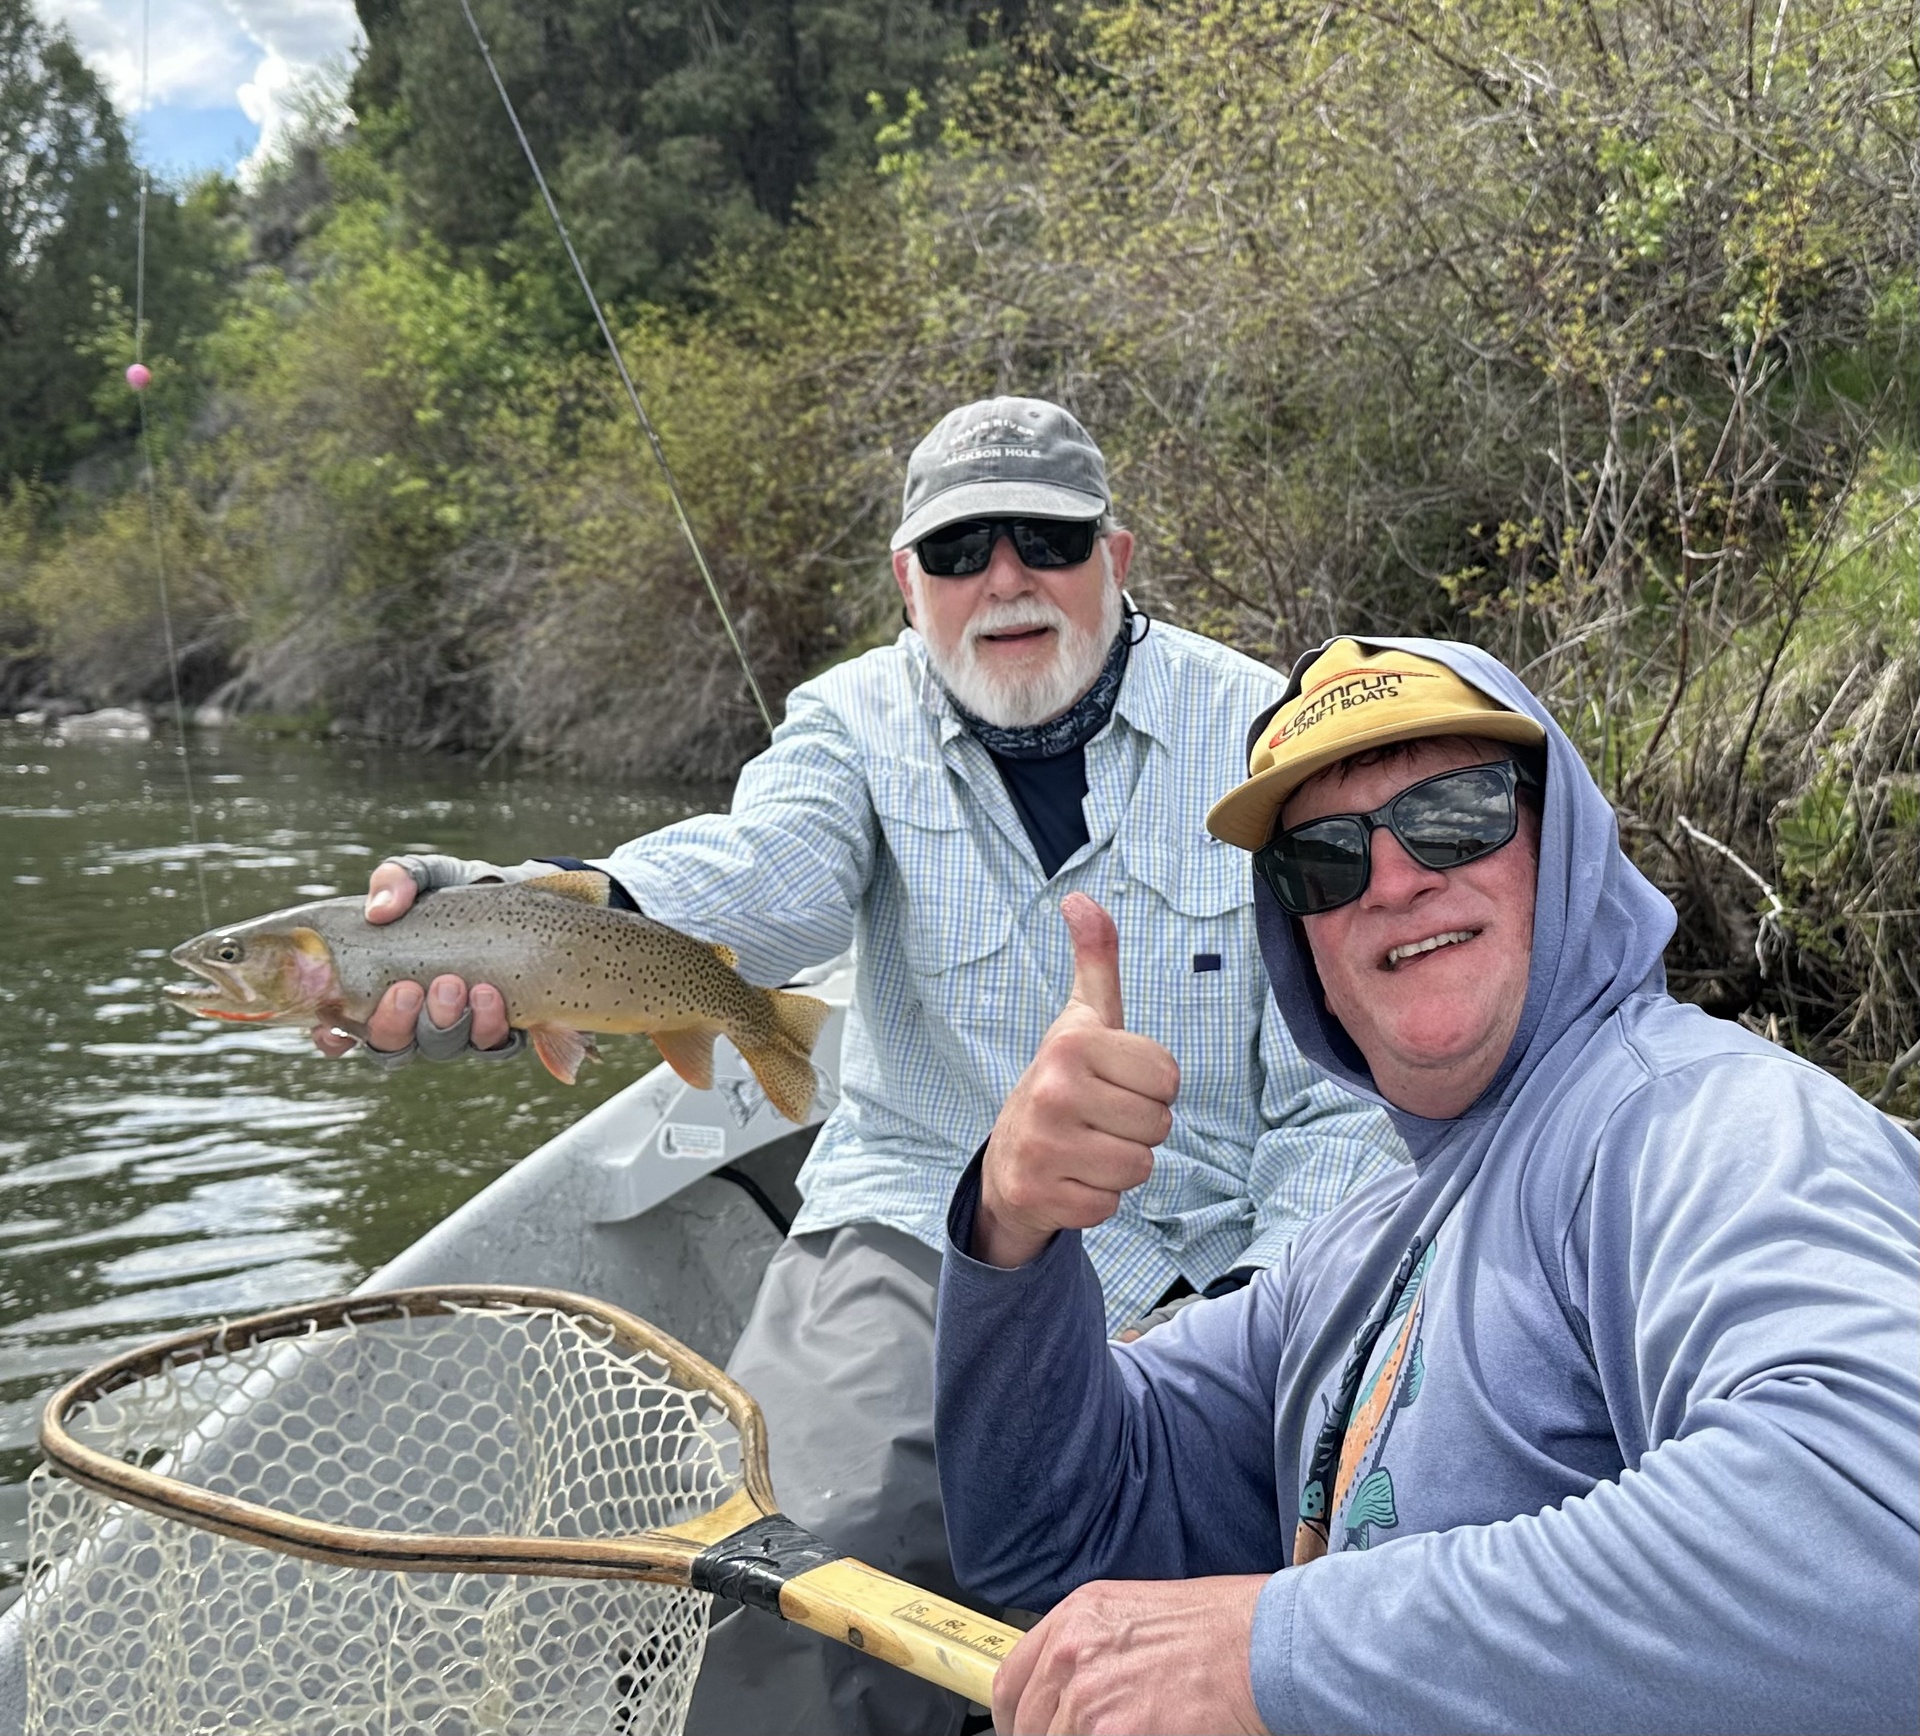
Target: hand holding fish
1080 1127
391 890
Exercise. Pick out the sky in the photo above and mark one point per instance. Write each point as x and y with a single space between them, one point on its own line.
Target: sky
221 74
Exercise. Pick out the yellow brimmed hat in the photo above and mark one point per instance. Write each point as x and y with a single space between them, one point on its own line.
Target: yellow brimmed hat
1353 697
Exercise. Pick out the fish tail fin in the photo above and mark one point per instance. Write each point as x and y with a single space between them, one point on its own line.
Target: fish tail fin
782 1063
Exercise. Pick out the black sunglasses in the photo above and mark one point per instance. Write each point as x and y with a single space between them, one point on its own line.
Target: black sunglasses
958 551
1442 822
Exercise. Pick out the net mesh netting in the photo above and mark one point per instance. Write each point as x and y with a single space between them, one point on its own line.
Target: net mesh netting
522 1422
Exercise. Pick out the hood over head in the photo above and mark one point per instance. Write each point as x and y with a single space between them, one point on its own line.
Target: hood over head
1599 925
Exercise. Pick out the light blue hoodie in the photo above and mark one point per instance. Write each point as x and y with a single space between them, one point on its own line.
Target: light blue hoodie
1649 1452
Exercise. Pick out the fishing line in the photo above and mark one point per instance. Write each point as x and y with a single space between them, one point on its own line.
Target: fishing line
153 497
620 362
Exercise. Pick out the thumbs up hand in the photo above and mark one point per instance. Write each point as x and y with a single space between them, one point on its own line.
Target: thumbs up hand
1081 1125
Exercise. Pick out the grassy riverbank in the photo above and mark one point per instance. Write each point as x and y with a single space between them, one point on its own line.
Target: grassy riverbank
1586 330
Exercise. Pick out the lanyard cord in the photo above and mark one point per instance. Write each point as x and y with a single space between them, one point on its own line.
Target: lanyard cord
620 362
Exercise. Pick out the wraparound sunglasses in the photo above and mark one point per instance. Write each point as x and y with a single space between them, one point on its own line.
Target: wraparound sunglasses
958 551
1441 822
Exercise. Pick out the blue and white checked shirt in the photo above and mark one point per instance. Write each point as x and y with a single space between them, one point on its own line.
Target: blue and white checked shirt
874 819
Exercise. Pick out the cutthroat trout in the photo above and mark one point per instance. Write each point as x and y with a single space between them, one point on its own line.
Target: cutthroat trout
565 961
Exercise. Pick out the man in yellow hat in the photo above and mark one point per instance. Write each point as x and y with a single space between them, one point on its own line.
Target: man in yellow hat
1605 1415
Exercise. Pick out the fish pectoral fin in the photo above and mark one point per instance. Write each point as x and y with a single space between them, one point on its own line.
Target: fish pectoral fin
581 886
562 1050
725 954
334 1018
1372 1502
689 1052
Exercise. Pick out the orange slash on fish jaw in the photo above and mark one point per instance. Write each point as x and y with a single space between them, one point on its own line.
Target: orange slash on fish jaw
237 1018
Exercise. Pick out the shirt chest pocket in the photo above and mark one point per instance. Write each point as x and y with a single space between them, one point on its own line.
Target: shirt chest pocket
1201 895
1193 958
955 938
954 925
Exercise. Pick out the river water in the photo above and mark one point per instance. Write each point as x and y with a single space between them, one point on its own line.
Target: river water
157 1171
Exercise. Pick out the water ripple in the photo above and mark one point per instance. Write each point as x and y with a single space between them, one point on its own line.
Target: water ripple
246 1292
251 1204
146 1266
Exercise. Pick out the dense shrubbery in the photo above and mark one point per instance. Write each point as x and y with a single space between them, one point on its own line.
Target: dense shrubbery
1586 329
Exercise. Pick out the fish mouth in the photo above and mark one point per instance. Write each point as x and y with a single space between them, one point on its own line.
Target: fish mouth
228 985
197 997
219 993
201 1001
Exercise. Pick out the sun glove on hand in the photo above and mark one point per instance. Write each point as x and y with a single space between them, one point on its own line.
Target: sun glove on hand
434 873
431 1043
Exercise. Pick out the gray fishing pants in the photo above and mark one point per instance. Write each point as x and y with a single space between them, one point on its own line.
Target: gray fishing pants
839 1354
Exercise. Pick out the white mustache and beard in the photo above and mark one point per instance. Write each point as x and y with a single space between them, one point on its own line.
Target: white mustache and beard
1020 698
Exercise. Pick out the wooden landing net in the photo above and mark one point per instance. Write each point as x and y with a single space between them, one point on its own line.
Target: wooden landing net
462 1509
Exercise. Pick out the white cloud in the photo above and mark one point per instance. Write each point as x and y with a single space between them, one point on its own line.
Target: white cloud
307 32
211 53
262 100
280 96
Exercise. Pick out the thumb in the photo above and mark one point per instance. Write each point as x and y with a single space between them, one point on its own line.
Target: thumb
1096 958
390 893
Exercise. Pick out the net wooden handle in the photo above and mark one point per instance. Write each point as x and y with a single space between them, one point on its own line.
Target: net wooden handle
913 1630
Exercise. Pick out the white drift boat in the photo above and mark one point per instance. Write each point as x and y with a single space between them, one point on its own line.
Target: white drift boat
665 1201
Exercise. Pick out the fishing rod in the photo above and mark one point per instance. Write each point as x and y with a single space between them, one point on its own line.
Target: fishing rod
139 377
619 362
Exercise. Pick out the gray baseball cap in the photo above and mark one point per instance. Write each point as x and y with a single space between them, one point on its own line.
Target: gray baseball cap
999 457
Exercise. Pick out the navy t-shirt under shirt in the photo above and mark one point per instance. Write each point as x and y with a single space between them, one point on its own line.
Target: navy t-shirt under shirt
1049 795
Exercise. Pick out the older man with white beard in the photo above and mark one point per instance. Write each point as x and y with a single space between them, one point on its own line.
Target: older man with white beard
931 804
